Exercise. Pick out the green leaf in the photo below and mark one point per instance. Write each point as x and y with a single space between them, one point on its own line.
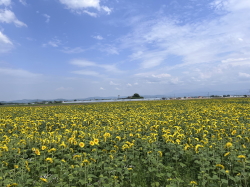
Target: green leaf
83 181
91 175
160 175
182 165
224 181
215 177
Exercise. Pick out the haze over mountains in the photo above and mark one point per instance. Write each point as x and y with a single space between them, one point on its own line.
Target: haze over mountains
190 94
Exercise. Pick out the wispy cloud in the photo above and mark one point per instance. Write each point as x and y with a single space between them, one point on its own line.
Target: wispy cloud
82 6
86 63
87 72
245 75
113 84
5 2
109 49
78 4
47 18
153 77
82 63
93 14
73 50
236 62
4 39
98 37
106 9
153 41
5 43
230 5
23 2
7 16
18 73
163 75
53 43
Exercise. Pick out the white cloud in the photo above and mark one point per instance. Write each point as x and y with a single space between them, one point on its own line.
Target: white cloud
18 73
237 61
5 2
163 75
142 74
111 68
101 88
114 84
73 50
5 43
54 43
151 62
23 2
110 49
157 78
86 63
90 13
78 5
245 75
86 72
230 5
175 80
7 16
153 74
153 41
98 37
234 60
82 63
129 84
47 18
106 9
4 39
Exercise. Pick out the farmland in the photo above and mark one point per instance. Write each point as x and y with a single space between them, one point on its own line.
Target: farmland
149 143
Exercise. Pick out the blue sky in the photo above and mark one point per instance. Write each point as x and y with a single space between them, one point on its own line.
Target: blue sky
79 48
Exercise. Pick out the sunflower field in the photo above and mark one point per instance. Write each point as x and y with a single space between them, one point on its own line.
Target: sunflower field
145 143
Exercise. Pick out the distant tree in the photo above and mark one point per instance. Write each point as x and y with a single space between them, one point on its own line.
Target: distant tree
136 95
1 103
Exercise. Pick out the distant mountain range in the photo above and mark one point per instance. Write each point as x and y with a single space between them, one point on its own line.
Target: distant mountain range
32 100
81 99
190 94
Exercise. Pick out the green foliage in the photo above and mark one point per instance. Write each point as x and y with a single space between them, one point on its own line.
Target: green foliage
166 143
136 96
